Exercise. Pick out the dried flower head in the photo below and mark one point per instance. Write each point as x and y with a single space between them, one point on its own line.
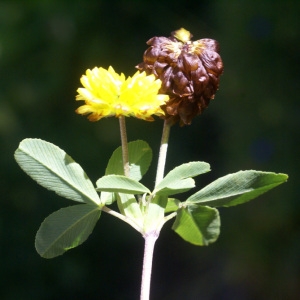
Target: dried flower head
189 70
107 93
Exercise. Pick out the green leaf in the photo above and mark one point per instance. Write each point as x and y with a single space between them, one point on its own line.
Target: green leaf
66 229
199 225
154 213
129 207
140 156
107 198
52 168
172 205
237 188
179 179
120 184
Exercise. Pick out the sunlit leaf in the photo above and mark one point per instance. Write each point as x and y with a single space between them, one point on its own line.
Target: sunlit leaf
180 180
52 168
237 188
65 229
120 184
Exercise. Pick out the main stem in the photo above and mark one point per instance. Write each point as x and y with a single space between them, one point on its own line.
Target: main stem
150 240
124 145
151 237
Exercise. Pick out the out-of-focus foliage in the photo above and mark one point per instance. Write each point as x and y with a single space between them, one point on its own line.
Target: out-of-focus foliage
253 123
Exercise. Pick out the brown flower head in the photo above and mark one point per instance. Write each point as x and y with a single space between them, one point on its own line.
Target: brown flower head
189 70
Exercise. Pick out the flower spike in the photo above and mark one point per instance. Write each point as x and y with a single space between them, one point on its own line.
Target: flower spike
106 94
189 70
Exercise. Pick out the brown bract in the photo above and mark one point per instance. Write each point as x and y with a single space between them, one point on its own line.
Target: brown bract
189 70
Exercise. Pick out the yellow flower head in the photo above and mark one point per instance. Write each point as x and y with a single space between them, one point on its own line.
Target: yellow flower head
107 94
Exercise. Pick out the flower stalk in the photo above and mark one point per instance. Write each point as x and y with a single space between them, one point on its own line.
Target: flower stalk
124 145
163 153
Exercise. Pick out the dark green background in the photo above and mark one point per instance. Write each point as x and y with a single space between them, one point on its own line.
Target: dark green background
253 123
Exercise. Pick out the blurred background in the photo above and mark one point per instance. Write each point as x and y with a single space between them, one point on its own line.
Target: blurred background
253 123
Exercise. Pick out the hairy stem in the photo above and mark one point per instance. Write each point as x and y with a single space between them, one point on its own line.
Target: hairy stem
124 145
162 153
150 240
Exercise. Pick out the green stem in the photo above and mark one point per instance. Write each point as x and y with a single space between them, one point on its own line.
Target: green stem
170 216
150 240
122 217
124 145
162 153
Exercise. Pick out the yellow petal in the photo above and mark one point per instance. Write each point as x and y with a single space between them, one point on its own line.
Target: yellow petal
107 93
